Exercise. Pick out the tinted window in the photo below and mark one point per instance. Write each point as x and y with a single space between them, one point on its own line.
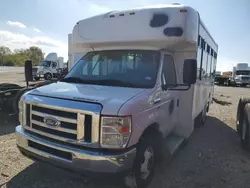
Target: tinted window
199 61
168 70
204 64
46 63
54 64
208 71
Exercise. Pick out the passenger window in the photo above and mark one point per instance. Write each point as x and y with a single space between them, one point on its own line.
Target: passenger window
168 70
204 61
208 69
199 54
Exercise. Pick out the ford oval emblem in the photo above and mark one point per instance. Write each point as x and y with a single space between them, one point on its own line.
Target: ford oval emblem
51 121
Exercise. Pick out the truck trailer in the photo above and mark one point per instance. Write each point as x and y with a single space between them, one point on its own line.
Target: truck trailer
132 93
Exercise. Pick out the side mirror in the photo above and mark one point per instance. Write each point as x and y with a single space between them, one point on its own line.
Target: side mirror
28 71
189 71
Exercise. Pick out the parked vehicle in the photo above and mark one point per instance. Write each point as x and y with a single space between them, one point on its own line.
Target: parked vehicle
133 92
50 67
240 75
243 122
10 93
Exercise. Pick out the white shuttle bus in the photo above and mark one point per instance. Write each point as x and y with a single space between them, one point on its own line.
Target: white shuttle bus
138 79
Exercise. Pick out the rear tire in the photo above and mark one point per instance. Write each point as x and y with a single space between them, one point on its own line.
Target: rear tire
240 112
201 118
245 129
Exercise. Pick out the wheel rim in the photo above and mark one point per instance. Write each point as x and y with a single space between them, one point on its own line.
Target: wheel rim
147 163
244 129
49 77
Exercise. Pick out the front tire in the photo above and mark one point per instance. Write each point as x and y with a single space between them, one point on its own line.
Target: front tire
48 76
145 162
36 78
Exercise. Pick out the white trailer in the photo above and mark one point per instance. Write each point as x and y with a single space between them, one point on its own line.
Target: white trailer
50 67
133 91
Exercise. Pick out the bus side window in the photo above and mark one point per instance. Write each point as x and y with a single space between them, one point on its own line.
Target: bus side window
204 60
199 55
168 70
208 69
215 60
212 63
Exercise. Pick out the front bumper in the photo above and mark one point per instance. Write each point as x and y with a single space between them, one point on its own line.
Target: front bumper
242 82
85 162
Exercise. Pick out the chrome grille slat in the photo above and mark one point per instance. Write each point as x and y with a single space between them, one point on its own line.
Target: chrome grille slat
79 121
57 117
54 128
50 135
80 126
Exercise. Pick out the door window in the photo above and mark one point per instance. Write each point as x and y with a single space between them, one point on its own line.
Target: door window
168 71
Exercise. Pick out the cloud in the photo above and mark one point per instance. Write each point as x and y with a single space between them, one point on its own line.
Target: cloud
225 64
7 37
16 24
37 30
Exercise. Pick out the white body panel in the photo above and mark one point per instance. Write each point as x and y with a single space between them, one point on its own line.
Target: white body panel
204 88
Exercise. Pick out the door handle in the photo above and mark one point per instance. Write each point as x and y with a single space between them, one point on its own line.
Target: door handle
158 100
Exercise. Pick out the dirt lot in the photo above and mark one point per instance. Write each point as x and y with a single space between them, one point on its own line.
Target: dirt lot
212 157
12 77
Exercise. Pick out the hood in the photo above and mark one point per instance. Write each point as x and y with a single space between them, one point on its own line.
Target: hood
111 98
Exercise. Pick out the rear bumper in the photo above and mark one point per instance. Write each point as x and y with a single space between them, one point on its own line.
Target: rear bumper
92 164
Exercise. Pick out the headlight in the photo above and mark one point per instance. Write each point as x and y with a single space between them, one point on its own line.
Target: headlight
115 131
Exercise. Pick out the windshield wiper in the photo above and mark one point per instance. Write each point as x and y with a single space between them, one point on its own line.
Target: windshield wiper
107 82
112 82
72 80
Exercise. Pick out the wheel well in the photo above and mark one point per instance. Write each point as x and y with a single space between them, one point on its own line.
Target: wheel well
152 129
48 73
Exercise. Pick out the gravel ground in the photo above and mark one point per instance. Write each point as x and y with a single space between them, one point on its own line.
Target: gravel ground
211 158
12 77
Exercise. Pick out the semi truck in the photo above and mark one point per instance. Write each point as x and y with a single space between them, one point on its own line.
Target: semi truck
50 67
133 91
240 75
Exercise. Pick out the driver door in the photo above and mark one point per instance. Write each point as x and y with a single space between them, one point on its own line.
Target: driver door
169 98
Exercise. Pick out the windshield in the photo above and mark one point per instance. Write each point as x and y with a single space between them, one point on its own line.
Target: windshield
45 63
243 72
125 68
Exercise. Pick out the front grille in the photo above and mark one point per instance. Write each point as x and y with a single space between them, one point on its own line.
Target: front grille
245 78
73 126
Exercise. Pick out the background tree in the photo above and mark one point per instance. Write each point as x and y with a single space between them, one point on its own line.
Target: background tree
3 52
19 56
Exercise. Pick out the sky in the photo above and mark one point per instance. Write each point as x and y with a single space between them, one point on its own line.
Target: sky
47 23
